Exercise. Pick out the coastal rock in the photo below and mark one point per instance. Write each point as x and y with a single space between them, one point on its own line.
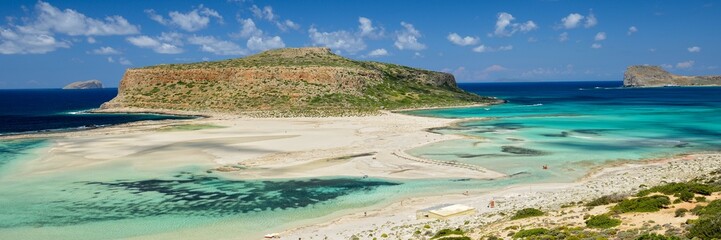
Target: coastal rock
290 81
655 76
90 84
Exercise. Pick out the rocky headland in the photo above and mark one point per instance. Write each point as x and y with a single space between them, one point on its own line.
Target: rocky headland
90 84
655 76
288 82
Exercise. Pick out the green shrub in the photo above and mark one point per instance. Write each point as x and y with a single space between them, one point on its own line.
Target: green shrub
685 196
602 221
530 232
446 232
680 212
642 204
707 227
676 188
653 236
700 199
605 200
713 208
384 235
456 238
526 213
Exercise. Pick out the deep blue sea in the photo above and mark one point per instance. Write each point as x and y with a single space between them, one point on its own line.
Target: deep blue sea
34 110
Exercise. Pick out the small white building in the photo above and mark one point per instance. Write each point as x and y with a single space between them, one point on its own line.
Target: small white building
444 211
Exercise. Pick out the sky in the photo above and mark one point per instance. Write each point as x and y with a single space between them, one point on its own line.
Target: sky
48 44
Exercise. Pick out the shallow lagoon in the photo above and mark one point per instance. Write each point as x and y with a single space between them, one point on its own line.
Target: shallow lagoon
558 125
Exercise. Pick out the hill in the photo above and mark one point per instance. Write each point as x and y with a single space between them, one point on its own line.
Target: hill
288 82
655 76
90 84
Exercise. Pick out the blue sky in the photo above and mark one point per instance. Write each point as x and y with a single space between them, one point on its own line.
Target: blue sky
47 44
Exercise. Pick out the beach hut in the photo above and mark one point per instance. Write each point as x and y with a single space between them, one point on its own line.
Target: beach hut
444 211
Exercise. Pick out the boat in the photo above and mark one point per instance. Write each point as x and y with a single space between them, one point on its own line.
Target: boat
272 235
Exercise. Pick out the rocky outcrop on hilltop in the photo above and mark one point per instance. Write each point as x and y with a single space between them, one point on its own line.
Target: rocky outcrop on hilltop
90 84
655 76
283 82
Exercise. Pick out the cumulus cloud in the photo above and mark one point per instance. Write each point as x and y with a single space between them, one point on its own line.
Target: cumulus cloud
575 20
378 53
124 61
462 41
505 26
483 48
192 21
338 40
686 64
248 28
600 36
694 49
156 44
264 43
37 35
90 40
366 28
483 75
407 39
632 30
216 46
266 13
563 37
105 51
596 46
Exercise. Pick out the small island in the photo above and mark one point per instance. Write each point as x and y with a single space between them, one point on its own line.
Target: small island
655 76
90 84
286 82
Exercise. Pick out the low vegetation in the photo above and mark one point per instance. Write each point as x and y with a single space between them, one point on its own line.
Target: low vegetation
602 221
605 200
642 204
450 234
526 213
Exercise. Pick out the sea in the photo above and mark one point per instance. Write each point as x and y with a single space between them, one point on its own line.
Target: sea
569 127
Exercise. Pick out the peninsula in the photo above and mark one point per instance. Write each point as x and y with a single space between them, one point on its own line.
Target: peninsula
90 84
288 82
655 76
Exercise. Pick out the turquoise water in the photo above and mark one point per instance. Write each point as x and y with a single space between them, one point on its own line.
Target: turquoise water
571 127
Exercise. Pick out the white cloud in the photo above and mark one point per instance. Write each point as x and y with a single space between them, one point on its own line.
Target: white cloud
686 64
694 49
105 51
483 75
462 41
124 61
264 43
549 72
110 60
192 21
632 30
90 40
367 29
563 37
596 45
378 53
338 40
483 48
37 35
590 21
266 13
667 66
19 43
572 20
600 36
164 47
216 46
505 26
248 28
407 39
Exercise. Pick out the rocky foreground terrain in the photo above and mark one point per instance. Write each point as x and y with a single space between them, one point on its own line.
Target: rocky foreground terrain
288 82
90 84
655 76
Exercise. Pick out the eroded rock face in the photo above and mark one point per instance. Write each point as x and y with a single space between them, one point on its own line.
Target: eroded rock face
296 79
90 84
655 76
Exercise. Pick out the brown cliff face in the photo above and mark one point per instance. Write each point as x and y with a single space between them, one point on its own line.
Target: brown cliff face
655 76
305 81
